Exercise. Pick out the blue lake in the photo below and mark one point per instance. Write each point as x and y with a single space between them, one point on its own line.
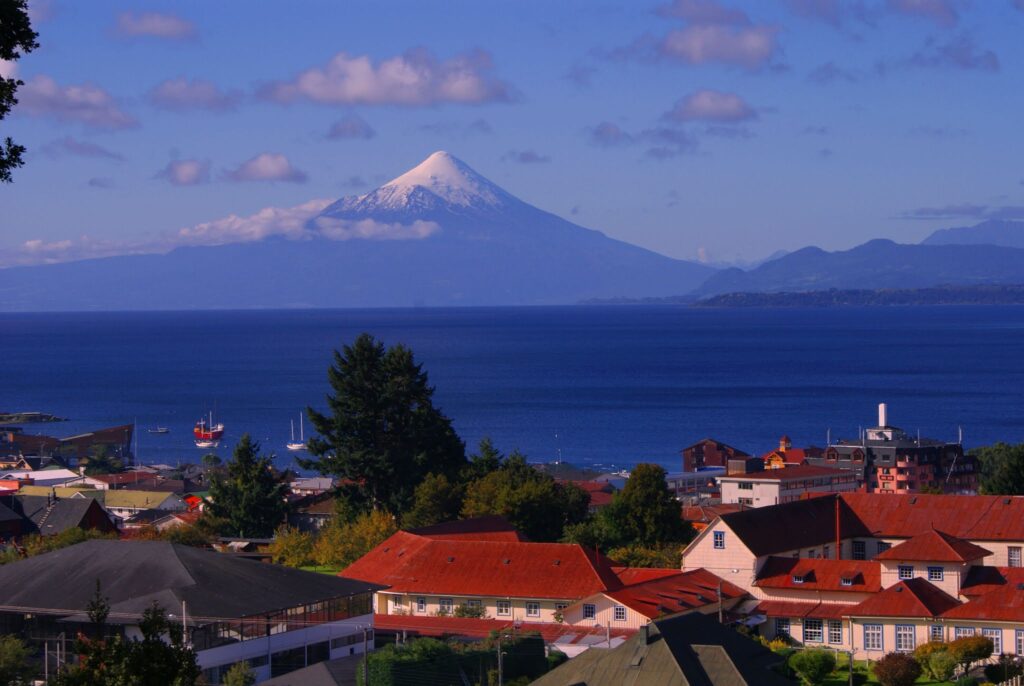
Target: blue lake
598 385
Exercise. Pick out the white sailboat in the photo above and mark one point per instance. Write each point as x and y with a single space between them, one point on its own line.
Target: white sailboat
301 443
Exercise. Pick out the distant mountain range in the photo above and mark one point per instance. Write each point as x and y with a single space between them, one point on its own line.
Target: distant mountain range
440 234
443 235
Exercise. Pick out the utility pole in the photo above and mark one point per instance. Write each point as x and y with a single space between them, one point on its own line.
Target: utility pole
366 662
501 668
721 618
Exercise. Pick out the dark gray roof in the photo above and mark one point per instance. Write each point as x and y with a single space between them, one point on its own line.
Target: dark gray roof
134 574
7 514
798 524
686 650
340 672
48 517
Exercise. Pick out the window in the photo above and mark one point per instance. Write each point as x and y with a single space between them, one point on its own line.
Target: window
1020 641
444 606
963 631
589 611
620 613
812 631
872 637
745 486
421 604
532 609
560 607
935 574
745 501
935 633
474 604
859 552
904 638
504 608
846 581
881 547
825 551
996 636
906 571
719 540
1013 556
798 579
782 626
835 632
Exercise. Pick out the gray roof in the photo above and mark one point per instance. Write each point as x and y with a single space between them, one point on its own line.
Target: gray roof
134 574
52 517
340 672
686 650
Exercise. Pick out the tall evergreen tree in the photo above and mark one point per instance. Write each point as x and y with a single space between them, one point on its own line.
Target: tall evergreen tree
16 37
646 512
382 434
247 499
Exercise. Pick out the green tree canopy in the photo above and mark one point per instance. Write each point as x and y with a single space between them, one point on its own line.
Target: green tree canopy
813 665
435 500
291 547
15 668
341 542
382 434
645 512
532 501
16 37
1002 468
247 500
239 675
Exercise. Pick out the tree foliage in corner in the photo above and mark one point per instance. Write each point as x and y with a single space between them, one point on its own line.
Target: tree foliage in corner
16 37
15 668
1002 468
247 500
382 434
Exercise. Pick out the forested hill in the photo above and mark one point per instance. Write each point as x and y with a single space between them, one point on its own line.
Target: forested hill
940 295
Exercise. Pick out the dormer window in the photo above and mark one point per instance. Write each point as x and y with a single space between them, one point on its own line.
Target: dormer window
798 579
846 581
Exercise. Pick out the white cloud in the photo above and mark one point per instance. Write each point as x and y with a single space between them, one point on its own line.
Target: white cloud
745 46
154 25
413 78
369 229
182 94
39 251
351 127
185 172
267 166
711 106
8 69
85 103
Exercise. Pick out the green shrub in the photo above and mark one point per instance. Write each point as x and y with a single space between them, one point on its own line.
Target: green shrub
941 665
970 649
896 669
923 653
813 665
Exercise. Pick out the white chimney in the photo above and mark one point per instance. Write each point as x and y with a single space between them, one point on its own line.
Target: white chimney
882 415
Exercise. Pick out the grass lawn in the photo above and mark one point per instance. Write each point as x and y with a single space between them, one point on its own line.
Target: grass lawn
841 676
323 569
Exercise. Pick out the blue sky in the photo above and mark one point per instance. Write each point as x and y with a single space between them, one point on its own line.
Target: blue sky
697 128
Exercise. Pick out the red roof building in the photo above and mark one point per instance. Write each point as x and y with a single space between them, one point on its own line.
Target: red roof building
934 546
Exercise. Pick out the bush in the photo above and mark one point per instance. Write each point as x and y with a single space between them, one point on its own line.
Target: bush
966 681
897 669
472 611
1005 669
924 652
941 665
813 665
970 649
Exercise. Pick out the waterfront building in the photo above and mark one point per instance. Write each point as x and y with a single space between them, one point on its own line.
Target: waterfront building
782 485
709 453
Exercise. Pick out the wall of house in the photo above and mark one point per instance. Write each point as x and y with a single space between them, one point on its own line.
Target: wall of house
733 563
1007 632
604 607
406 604
809 595
952 574
760 493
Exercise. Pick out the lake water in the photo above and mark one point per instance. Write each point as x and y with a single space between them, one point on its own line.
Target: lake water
597 385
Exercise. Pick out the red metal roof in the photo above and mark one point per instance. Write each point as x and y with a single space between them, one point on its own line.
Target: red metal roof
676 593
981 579
481 628
486 528
934 546
974 518
1005 604
820 574
792 608
910 598
416 564
705 514
639 575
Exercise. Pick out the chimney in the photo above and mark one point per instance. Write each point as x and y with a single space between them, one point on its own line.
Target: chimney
882 415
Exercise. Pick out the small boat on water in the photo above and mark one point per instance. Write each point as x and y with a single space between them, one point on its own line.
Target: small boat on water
301 443
159 430
206 430
207 444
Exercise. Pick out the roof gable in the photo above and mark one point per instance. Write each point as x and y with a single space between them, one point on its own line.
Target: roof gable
934 546
678 592
910 598
790 526
819 574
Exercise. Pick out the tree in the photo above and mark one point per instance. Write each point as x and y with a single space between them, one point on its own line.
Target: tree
813 665
291 547
239 675
102 461
16 37
941 665
382 434
896 669
970 649
15 668
487 459
646 512
924 652
638 556
435 500
1002 468
248 500
532 501
341 543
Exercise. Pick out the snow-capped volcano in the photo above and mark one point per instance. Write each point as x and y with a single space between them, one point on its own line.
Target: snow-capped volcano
440 181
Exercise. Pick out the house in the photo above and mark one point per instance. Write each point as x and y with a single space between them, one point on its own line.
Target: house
600 492
709 453
124 503
481 570
48 516
874 573
686 650
695 486
786 454
312 512
888 460
783 484
311 485
701 515
276 618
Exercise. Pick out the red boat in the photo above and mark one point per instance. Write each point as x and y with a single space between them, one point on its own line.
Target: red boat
206 430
